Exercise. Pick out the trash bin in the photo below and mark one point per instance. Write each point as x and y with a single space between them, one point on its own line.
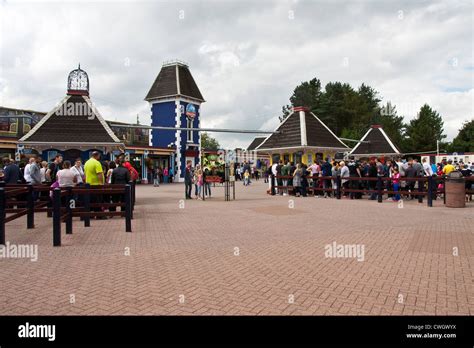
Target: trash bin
455 190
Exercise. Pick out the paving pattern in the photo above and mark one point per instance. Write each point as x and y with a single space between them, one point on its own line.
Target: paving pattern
258 255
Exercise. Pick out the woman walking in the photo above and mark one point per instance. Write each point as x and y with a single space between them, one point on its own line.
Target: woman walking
165 175
297 174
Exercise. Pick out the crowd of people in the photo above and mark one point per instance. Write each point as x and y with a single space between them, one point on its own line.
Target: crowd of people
60 173
302 178
196 177
246 172
160 175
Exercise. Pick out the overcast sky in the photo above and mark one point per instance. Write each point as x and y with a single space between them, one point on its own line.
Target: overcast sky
246 56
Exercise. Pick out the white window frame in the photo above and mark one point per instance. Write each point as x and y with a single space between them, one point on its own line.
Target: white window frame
189 135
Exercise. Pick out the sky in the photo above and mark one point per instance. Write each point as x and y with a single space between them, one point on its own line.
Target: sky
246 56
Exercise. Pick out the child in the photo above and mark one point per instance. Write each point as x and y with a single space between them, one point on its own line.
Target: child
200 182
156 179
396 183
246 178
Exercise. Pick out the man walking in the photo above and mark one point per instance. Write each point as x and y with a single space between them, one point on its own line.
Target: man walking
188 180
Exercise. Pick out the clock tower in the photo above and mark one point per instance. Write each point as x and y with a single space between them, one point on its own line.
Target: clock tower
175 101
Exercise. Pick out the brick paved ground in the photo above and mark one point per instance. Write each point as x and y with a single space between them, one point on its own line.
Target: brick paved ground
188 255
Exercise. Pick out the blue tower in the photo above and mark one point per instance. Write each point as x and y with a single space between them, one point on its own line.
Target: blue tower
176 101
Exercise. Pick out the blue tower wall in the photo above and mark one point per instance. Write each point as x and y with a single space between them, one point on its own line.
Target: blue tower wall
163 114
184 134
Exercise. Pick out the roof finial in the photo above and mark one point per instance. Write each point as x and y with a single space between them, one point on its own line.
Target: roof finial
79 66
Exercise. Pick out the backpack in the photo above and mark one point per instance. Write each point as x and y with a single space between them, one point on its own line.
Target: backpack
52 187
133 174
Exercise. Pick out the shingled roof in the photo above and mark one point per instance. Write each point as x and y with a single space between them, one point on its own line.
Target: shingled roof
302 128
74 120
174 80
375 142
257 141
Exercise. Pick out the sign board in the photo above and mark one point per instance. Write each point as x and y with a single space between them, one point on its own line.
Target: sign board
190 111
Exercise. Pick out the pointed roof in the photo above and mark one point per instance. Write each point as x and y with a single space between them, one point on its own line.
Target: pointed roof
174 80
302 128
375 142
74 121
255 142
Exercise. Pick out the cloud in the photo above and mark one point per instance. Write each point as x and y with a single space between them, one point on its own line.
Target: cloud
247 57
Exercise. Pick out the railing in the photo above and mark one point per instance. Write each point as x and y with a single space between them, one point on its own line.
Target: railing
379 188
26 199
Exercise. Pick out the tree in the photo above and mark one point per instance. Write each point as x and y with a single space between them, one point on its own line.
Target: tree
208 142
343 109
306 94
424 131
336 107
464 141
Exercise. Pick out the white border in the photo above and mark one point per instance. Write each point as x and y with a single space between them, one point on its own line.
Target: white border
361 140
304 138
365 136
44 119
389 141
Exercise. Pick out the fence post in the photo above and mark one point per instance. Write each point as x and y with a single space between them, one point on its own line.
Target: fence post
379 189
203 188
272 190
444 189
69 211
421 183
128 208
49 213
30 208
3 202
338 187
87 205
430 191
132 193
57 217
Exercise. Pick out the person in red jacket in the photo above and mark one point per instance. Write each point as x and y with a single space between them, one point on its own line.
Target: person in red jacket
133 171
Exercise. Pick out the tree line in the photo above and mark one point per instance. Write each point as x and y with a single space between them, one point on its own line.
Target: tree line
349 112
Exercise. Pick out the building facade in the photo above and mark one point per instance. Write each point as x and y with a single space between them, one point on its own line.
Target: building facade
301 138
73 128
15 123
175 102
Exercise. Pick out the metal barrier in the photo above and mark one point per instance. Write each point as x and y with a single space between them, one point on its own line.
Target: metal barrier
26 199
379 189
